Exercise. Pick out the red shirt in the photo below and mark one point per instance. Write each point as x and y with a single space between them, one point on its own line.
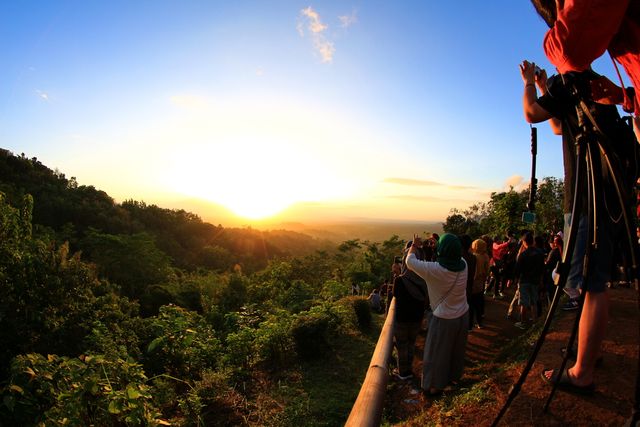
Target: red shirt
500 250
585 29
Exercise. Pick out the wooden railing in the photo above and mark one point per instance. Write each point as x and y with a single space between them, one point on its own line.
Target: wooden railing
367 411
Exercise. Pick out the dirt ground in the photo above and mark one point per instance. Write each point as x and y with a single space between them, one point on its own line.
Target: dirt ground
615 380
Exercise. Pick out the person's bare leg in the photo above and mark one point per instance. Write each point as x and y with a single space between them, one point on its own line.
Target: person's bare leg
591 332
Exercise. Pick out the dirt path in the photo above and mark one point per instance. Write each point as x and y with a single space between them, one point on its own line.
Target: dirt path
615 379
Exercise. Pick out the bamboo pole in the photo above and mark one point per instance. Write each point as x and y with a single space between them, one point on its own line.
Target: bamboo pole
367 411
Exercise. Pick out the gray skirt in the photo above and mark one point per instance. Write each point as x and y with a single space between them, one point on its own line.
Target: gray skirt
444 351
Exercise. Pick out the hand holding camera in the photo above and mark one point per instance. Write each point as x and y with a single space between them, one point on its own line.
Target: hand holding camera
533 75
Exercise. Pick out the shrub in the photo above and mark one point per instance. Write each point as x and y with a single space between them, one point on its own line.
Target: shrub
362 308
309 333
213 402
273 342
270 345
333 290
359 311
182 344
239 352
91 390
339 314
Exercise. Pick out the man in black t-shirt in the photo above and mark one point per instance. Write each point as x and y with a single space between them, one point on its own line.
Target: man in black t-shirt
558 105
528 274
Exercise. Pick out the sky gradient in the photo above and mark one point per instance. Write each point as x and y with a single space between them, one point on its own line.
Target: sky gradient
317 110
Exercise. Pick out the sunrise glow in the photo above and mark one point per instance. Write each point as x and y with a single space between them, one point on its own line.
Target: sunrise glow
327 109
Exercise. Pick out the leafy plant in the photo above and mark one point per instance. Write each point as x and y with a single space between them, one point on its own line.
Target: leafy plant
181 344
362 308
309 333
90 390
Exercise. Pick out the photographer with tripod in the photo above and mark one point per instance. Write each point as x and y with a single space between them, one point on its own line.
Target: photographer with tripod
603 169
558 104
581 31
561 105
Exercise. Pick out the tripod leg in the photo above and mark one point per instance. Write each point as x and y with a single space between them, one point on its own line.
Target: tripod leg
563 270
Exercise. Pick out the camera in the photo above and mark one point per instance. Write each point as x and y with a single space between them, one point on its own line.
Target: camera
538 70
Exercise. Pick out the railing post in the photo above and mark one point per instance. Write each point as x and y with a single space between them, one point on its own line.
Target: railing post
367 411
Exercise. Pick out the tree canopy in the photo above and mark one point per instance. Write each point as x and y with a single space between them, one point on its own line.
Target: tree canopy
503 212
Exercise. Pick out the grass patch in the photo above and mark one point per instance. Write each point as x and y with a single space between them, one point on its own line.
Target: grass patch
321 392
333 382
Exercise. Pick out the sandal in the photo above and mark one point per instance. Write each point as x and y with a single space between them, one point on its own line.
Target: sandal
564 382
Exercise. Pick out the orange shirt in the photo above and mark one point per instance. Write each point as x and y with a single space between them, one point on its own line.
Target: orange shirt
585 29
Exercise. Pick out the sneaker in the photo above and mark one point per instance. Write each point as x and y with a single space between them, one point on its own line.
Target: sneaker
501 295
520 325
571 305
489 294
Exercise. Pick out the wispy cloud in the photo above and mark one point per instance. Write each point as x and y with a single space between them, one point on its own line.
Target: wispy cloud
517 182
325 49
309 21
348 20
313 24
43 95
424 183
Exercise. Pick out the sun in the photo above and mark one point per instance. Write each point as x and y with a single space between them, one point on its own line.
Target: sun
259 158
254 181
255 203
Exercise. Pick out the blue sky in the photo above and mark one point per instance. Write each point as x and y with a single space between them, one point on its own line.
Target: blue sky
313 110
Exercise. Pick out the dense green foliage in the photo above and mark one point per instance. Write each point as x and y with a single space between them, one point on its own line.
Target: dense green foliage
130 314
503 212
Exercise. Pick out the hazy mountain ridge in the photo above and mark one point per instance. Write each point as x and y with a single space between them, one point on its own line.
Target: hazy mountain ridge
374 231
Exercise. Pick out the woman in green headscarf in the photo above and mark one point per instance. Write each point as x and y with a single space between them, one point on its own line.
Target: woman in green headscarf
446 280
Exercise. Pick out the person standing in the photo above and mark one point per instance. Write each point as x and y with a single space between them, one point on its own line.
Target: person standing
374 301
528 273
443 361
558 104
476 300
551 263
410 293
499 252
470 259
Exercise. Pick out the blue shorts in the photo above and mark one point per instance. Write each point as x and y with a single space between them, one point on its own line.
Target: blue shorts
528 294
600 260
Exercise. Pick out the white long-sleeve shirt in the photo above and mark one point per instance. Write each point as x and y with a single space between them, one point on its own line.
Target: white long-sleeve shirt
447 289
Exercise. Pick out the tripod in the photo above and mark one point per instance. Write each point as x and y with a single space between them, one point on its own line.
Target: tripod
595 154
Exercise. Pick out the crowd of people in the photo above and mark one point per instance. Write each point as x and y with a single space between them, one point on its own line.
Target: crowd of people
440 284
447 277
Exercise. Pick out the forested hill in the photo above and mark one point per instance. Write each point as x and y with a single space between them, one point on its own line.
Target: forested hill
150 316
84 216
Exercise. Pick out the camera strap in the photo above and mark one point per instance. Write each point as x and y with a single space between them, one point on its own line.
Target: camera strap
628 105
